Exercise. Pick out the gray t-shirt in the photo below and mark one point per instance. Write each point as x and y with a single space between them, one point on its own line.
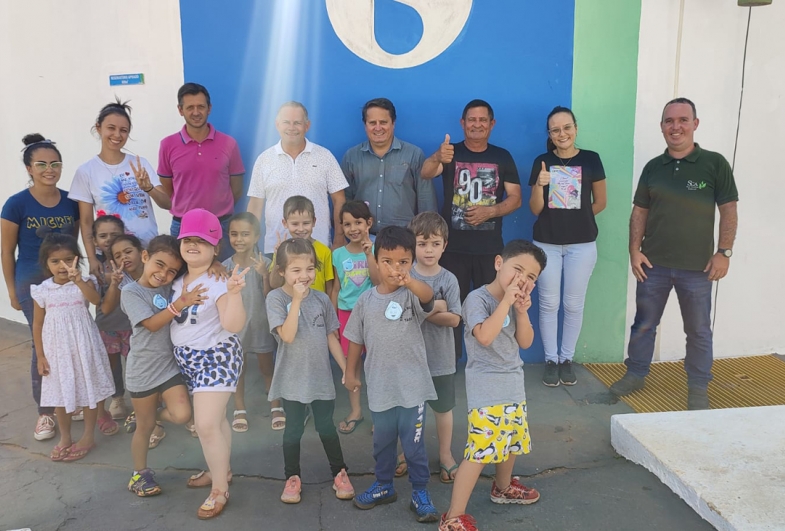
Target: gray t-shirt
396 366
302 367
151 358
255 337
115 320
494 374
440 340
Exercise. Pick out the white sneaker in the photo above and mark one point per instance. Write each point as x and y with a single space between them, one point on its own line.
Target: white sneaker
78 415
117 408
44 428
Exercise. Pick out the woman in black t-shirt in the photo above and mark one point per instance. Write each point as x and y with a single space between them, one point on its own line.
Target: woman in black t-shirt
568 190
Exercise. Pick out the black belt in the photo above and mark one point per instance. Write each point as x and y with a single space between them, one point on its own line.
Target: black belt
221 219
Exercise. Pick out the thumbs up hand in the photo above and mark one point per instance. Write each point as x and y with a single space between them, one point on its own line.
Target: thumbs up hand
544 179
446 151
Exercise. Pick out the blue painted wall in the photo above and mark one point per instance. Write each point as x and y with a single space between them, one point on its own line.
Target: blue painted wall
253 56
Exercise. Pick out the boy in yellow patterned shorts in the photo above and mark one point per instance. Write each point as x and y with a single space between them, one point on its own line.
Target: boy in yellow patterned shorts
496 325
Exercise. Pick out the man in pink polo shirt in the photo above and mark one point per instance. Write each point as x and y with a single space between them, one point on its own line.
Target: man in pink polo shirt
199 166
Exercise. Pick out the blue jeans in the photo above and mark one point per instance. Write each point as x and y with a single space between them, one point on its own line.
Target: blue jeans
225 250
408 424
693 289
576 261
26 301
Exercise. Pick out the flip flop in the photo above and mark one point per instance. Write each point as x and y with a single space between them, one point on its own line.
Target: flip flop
75 454
59 453
449 472
401 468
239 425
278 423
155 440
203 479
353 425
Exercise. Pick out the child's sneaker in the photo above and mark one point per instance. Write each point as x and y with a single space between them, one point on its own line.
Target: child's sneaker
44 428
423 506
143 483
463 522
342 486
291 492
117 408
130 423
378 494
515 493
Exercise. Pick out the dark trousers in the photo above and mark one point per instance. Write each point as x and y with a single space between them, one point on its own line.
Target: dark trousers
472 271
323 420
26 301
408 424
693 289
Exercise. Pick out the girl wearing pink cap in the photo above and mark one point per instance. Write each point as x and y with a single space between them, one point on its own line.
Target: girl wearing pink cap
208 351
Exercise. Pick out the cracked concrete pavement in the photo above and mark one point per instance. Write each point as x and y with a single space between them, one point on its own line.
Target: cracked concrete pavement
583 483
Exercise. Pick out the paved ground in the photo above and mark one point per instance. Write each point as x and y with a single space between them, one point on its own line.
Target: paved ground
583 483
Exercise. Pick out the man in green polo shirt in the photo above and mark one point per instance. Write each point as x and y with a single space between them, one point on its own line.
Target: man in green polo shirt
672 246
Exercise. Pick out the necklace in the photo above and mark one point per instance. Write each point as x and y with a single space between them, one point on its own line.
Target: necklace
565 164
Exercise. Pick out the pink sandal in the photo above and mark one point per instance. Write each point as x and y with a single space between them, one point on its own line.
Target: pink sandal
107 425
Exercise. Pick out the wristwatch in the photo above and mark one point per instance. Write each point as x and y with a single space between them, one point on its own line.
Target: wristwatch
727 253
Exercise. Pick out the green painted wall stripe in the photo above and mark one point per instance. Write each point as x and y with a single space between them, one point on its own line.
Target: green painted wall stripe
604 90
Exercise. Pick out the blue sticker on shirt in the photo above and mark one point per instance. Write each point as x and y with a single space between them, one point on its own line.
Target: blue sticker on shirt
289 307
159 302
506 321
348 264
393 311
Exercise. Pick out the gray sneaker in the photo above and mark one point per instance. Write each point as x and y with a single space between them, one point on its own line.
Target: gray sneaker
551 375
697 399
629 383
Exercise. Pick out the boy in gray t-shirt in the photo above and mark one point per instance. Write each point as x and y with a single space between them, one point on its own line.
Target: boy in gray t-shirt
496 322
386 320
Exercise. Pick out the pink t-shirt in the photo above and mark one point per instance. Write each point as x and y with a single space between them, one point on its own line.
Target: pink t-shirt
200 172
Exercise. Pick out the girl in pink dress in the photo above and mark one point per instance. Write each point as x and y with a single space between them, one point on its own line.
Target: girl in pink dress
72 359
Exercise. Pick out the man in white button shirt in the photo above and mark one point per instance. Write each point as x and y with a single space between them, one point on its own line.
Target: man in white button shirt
296 166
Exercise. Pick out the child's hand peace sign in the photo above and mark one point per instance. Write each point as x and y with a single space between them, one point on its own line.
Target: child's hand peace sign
513 291
74 273
236 282
117 274
259 265
141 176
401 278
524 300
367 243
193 296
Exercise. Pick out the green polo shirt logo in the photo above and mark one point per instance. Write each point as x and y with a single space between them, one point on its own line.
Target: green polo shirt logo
692 185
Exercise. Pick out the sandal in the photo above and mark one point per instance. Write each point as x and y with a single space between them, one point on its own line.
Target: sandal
77 415
401 468
351 425
449 472
192 429
59 453
107 425
75 454
278 423
155 440
204 479
130 423
213 505
239 425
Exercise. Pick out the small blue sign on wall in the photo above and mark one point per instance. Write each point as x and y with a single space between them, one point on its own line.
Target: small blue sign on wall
126 79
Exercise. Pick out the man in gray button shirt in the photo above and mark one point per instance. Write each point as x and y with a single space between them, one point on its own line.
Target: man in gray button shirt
384 171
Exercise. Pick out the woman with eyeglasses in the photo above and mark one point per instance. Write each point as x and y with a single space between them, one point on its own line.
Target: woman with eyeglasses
568 191
26 218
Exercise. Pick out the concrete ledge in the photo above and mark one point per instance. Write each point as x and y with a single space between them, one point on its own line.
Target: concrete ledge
727 464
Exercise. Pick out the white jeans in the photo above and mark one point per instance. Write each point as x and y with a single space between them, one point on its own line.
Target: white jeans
577 262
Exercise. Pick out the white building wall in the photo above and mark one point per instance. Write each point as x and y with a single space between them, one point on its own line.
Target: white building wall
56 57
750 316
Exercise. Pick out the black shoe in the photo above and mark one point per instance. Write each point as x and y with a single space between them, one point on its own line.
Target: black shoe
566 375
697 399
551 375
629 383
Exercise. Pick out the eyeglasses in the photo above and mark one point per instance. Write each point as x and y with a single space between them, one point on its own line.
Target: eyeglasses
42 166
569 128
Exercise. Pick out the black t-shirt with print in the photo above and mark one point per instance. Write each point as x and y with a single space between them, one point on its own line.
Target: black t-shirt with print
476 179
567 216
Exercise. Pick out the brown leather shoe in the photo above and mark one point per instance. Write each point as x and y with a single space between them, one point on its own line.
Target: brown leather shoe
213 505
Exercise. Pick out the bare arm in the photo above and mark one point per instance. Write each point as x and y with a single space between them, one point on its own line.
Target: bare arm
288 330
536 199
637 230
166 184
334 345
39 314
420 289
434 165
9 237
599 193
335 289
445 319
111 299
236 183
86 225
729 220
477 214
231 312
524 332
88 290
161 197
338 198
351 380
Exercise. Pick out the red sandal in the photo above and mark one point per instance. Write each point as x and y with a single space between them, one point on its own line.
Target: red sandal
107 425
